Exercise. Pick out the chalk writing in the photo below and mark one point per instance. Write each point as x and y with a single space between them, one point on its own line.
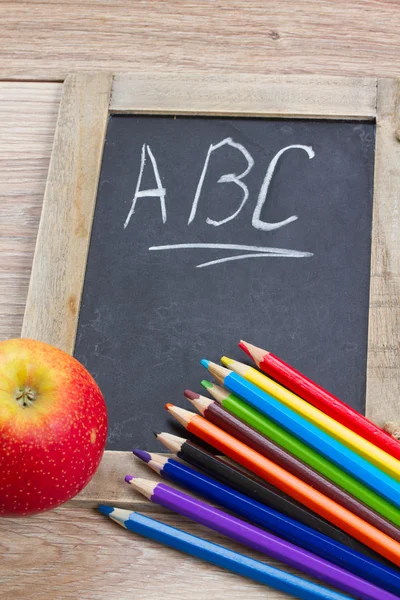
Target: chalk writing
257 223
158 192
228 178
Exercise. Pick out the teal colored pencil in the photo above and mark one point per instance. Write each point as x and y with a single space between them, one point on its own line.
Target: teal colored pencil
308 433
220 556
286 440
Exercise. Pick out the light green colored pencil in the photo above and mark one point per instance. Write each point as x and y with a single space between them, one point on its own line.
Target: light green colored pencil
284 439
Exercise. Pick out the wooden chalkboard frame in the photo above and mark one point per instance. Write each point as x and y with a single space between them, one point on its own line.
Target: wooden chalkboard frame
58 271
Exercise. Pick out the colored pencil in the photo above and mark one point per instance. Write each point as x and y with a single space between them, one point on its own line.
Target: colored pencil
257 539
320 441
272 520
261 492
243 412
222 418
321 398
288 483
219 556
343 434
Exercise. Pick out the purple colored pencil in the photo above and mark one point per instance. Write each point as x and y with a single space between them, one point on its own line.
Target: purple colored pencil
257 539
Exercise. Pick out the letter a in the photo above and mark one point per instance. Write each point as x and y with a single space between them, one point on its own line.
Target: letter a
228 178
158 192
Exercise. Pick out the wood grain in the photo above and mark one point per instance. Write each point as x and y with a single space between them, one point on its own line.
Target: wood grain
71 554
245 95
28 114
48 39
383 366
108 485
54 295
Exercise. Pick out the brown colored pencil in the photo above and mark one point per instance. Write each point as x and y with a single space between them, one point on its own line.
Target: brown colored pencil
218 415
288 483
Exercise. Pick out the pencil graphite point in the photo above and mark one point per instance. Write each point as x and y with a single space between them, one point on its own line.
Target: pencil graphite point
220 394
235 365
142 454
155 434
104 509
200 402
243 346
182 415
128 478
191 395
168 405
170 441
226 361
256 354
217 371
157 462
206 384
204 363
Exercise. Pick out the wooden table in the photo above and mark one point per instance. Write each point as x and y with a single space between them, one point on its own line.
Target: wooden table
73 552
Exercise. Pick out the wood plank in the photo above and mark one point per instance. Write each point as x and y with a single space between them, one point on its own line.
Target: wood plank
108 485
28 115
76 553
383 368
247 95
46 39
53 302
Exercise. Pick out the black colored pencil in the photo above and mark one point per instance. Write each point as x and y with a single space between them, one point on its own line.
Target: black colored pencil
262 492
222 418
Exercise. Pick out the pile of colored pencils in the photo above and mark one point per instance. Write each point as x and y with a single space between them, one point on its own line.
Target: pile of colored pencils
326 499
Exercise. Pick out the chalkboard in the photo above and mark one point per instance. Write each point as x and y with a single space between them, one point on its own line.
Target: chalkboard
208 230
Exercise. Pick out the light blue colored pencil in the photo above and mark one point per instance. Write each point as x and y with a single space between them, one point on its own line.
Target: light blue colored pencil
312 435
220 556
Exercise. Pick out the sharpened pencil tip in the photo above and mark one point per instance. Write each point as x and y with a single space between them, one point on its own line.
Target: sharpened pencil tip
105 510
191 395
242 346
204 363
156 434
206 384
128 478
142 454
226 361
168 406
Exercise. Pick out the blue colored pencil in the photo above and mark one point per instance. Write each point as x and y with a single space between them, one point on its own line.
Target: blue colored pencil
320 441
272 520
220 556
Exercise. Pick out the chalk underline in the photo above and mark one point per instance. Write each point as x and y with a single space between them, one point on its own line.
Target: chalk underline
252 252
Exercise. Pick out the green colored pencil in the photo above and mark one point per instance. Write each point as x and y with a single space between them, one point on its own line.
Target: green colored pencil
284 439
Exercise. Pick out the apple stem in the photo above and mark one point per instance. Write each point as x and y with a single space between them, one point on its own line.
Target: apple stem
25 396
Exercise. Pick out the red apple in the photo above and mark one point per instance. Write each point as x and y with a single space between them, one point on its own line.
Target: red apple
53 427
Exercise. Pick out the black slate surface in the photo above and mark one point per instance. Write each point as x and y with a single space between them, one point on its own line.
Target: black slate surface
147 317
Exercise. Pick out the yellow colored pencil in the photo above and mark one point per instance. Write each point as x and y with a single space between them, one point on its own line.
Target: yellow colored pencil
352 440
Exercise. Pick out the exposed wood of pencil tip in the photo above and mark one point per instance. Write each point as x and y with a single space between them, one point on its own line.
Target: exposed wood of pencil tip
201 403
172 442
143 486
257 354
235 365
218 372
180 414
217 392
157 462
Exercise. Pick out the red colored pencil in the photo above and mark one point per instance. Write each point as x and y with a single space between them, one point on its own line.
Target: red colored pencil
288 483
321 399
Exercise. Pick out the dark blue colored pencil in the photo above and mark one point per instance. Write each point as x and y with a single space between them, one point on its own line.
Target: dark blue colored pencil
274 521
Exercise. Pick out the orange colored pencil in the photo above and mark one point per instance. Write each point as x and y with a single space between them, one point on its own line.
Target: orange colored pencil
320 398
288 483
